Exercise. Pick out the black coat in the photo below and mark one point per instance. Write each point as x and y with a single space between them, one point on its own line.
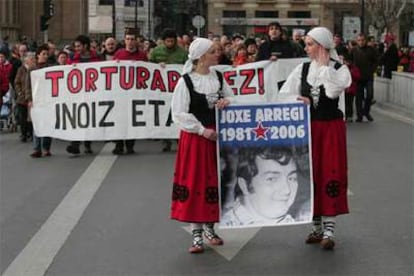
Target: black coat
283 47
390 60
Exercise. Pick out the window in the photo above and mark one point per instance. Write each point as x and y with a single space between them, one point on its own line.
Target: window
234 13
131 3
299 14
106 2
267 14
235 22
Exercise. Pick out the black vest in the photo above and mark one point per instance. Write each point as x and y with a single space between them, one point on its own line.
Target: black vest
326 108
199 104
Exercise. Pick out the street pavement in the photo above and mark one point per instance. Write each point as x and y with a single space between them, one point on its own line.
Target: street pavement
101 215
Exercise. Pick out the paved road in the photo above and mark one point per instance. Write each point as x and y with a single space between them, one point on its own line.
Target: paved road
108 215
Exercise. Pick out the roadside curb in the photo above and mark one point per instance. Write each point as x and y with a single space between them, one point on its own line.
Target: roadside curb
395 111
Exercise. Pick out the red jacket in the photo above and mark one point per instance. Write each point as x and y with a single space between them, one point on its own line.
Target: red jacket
77 58
5 70
239 60
356 76
124 54
4 87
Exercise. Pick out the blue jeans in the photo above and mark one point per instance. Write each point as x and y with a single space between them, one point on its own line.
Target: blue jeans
41 142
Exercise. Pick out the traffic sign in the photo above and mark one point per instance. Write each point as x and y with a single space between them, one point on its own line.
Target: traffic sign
199 21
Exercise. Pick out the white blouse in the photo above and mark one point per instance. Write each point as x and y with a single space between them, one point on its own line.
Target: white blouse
180 104
334 80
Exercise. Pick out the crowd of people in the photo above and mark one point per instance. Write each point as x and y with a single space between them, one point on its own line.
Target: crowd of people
366 58
333 67
16 62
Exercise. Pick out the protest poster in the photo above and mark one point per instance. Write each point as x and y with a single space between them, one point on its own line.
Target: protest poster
264 165
116 100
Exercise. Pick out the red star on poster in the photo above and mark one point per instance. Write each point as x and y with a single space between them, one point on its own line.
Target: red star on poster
260 131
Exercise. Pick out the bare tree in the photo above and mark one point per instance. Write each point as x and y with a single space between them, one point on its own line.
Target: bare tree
385 13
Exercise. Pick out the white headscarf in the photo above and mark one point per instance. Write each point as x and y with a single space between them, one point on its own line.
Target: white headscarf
197 48
325 38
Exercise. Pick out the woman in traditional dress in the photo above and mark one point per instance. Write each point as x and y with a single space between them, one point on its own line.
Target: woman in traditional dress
319 83
195 196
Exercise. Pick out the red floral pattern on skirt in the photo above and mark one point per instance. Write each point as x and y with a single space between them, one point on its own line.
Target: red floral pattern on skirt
195 188
330 168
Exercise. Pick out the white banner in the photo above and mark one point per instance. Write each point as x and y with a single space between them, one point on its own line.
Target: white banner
115 100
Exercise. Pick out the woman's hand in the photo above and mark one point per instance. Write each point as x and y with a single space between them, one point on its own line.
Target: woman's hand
305 100
210 134
222 103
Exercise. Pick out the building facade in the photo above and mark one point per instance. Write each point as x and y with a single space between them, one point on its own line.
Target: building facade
101 18
250 17
9 19
21 18
112 17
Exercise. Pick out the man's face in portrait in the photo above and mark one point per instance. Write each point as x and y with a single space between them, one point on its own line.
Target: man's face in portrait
273 188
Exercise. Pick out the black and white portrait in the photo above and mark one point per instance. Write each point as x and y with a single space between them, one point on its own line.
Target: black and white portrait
265 186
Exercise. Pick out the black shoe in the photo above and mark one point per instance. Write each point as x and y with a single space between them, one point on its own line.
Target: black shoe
349 120
369 118
373 102
359 120
88 150
166 149
117 151
73 150
36 154
167 145
130 151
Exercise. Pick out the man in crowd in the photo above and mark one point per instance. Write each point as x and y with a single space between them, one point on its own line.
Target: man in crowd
275 47
168 53
83 53
109 49
130 52
390 59
339 46
365 58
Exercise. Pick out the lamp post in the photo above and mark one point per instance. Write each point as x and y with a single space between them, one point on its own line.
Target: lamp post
362 16
136 15
113 19
149 19
139 3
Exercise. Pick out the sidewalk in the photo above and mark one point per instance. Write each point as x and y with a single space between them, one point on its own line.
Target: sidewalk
395 111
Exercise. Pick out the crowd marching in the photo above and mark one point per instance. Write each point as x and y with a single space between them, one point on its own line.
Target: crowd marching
364 58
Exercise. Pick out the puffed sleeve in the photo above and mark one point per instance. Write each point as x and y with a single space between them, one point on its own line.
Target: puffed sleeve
228 92
180 106
334 80
291 88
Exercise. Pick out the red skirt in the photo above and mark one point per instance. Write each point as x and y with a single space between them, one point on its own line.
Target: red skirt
330 168
195 189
